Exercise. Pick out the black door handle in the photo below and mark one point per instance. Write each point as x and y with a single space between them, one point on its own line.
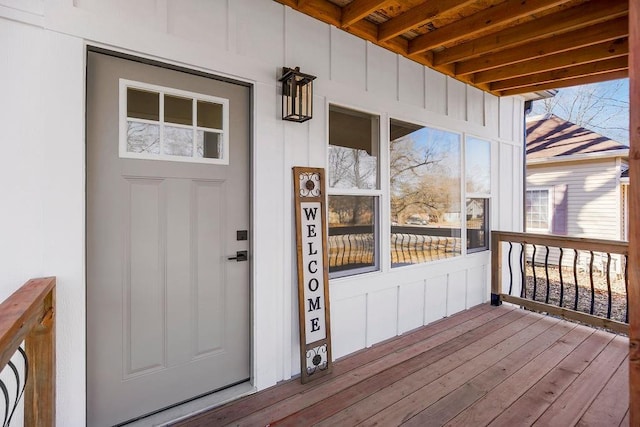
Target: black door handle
240 256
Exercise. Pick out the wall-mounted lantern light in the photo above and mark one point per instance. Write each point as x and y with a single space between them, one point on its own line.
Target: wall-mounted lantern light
297 95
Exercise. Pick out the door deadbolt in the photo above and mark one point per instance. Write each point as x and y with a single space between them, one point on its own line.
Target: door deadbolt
240 256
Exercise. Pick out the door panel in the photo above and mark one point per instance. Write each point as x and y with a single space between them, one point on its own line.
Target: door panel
167 312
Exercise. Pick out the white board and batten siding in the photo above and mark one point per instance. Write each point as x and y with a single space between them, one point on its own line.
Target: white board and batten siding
43 218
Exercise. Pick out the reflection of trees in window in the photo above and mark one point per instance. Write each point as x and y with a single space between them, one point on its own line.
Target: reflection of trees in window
424 175
350 210
425 190
351 168
353 149
143 138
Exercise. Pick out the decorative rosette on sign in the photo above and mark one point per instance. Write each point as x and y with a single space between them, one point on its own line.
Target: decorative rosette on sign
317 359
309 184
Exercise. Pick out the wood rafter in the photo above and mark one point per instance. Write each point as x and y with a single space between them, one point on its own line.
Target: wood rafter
611 30
579 17
589 69
558 61
509 11
567 83
500 46
417 16
360 9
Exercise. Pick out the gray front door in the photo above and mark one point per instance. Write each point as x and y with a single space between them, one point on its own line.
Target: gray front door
168 189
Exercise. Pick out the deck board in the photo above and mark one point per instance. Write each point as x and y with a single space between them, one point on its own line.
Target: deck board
575 400
484 366
529 407
454 403
614 397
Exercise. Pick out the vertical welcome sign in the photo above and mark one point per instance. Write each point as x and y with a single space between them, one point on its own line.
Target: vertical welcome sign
313 277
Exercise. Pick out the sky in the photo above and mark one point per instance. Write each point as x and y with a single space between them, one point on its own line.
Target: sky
599 107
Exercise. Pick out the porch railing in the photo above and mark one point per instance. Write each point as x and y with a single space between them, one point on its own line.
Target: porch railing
575 278
29 315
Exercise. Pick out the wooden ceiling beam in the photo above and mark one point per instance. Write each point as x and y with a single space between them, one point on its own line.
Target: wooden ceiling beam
610 30
592 68
417 16
357 10
614 75
369 31
503 13
322 10
586 14
575 57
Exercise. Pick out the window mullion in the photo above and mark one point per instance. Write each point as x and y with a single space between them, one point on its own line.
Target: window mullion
161 123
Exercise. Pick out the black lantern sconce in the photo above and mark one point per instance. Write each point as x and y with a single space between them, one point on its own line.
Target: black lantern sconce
297 95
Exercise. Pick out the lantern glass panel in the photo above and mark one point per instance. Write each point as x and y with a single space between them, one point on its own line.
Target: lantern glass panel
297 93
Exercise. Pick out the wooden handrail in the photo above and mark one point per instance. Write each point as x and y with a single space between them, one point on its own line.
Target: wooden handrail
29 315
578 243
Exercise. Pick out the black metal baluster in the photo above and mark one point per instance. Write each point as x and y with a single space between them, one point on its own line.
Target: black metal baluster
561 281
523 288
575 277
510 269
593 290
546 272
626 288
424 238
3 387
19 392
535 279
608 285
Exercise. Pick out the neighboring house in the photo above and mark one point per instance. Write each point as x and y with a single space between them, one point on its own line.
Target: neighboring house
575 184
575 180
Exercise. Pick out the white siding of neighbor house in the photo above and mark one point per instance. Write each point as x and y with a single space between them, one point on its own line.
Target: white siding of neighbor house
593 195
42 223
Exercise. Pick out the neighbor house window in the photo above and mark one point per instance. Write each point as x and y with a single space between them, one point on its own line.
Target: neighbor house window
425 187
159 123
547 209
538 209
354 191
478 192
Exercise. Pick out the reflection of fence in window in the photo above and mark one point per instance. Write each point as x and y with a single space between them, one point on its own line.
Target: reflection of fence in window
414 245
415 249
351 250
354 247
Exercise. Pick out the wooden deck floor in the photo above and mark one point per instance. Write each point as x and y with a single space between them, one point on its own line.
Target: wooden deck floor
498 366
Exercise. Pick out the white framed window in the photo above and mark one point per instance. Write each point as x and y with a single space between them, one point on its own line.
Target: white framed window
353 192
477 159
160 123
539 209
425 193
